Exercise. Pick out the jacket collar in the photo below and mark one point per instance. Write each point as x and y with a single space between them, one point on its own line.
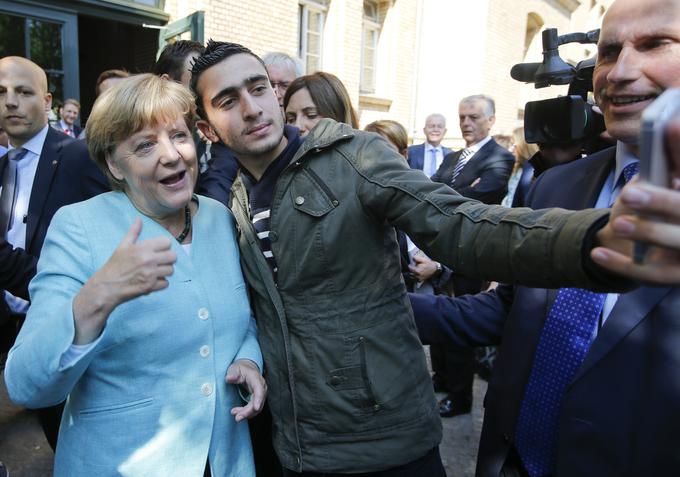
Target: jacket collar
322 136
50 156
630 309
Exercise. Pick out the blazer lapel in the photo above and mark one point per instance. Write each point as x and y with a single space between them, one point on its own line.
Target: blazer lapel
630 309
588 180
469 172
47 166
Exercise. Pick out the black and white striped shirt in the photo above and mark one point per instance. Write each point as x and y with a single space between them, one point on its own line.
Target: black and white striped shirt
260 193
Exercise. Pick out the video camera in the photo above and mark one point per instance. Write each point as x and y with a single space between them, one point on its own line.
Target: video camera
567 118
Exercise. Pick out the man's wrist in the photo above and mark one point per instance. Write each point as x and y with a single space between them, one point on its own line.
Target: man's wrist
438 271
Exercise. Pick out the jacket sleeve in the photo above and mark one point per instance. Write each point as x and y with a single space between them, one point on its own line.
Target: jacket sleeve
250 348
469 320
33 373
544 248
17 267
216 181
437 176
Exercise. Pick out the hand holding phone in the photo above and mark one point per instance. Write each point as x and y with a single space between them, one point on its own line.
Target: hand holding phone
655 166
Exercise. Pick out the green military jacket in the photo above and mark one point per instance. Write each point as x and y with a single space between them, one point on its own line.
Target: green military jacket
349 387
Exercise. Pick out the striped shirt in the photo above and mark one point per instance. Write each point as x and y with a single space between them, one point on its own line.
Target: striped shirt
260 193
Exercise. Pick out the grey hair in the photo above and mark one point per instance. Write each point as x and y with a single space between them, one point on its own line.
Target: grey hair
435 115
490 104
280 58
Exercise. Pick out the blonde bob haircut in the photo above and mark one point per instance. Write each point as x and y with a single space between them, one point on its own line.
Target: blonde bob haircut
394 132
132 104
523 150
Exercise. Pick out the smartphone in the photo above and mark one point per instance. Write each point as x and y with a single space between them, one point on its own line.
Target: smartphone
654 164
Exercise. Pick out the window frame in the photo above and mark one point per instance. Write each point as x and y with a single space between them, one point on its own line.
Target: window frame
69 39
319 7
373 25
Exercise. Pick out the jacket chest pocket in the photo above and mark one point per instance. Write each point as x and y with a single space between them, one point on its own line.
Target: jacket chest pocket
311 195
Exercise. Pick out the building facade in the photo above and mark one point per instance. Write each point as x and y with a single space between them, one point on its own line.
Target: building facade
400 59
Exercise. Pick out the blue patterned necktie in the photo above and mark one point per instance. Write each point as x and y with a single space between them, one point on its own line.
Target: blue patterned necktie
628 172
8 193
566 337
462 160
433 164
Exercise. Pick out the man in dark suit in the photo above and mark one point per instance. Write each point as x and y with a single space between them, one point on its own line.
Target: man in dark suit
609 404
429 155
480 171
43 170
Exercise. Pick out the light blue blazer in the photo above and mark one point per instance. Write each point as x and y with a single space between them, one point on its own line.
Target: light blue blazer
150 398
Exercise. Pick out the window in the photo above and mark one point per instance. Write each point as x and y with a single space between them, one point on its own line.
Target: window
369 46
531 38
37 40
312 19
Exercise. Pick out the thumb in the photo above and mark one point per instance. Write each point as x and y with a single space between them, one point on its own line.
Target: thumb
418 259
133 233
234 375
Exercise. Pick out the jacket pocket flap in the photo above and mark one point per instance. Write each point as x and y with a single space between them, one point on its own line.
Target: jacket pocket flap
311 195
345 378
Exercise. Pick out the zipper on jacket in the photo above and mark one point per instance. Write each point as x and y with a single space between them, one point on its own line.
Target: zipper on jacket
323 186
364 374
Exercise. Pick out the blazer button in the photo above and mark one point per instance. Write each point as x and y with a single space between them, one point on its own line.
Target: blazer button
207 389
299 200
506 438
273 236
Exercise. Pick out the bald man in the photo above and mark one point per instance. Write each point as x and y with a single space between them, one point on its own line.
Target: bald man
42 171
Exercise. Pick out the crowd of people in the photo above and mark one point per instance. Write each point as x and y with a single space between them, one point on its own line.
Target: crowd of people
229 278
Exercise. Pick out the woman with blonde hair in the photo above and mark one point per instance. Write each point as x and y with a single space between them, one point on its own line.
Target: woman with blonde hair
311 98
139 312
393 132
522 171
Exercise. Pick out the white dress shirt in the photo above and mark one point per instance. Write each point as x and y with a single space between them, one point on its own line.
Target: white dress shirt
608 195
477 146
66 128
430 166
16 235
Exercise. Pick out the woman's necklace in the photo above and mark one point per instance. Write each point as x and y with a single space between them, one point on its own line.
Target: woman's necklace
187 224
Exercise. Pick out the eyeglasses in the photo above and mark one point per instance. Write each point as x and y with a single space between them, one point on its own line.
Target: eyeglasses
282 85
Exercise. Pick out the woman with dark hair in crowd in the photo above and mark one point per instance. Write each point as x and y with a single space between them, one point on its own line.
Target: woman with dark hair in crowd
311 98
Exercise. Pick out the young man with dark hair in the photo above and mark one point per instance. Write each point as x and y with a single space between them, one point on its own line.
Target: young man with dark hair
350 391
175 60
107 79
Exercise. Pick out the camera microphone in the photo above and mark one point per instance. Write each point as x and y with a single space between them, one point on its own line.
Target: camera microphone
524 72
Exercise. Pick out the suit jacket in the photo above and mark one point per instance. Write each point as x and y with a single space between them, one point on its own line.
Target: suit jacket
484 177
416 155
76 129
524 185
149 398
65 174
620 415
16 269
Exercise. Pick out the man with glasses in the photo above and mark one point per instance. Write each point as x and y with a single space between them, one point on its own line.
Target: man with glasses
282 70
